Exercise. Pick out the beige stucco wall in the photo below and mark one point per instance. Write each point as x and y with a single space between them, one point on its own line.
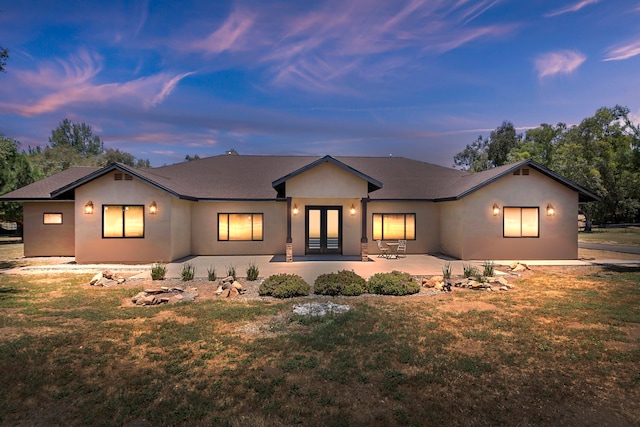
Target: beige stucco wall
327 181
180 228
204 223
451 228
48 239
482 232
427 224
158 236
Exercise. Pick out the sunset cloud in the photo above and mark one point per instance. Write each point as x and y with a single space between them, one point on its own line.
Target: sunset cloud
571 8
561 62
623 52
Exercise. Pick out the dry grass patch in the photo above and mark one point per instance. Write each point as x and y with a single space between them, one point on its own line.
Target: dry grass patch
560 350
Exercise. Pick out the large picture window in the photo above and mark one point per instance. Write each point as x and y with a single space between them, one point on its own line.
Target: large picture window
240 226
122 221
521 222
394 226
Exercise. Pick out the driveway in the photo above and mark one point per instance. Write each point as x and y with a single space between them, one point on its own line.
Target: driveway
611 248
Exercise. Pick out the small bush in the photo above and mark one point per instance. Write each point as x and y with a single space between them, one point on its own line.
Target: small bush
188 272
488 268
394 283
284 286
470 271
231 271
158 271
252 272
211 274
446 271
343 282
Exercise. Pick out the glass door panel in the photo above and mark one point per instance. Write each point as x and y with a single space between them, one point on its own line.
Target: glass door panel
324 230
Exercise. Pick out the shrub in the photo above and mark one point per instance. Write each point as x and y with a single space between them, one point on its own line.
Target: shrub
394 283
284 286
231 271
188 272
252 272
158 271
343 282
446 271
211 273
470 271
488 268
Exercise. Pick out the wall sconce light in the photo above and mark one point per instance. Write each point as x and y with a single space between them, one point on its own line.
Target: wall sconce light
88 208
352 211
295 209
550 210
495 210
153 208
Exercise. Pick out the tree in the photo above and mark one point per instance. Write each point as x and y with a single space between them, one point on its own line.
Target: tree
15 172
189 158
78 136
539 144
474 157
501 141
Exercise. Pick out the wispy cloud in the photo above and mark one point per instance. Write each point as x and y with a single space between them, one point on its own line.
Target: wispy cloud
231 35
623 52
561 62
571 8
59 83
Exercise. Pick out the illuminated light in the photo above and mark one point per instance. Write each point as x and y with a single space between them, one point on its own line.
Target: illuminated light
496 209
295 209
550 210
88 208
153 208
352 210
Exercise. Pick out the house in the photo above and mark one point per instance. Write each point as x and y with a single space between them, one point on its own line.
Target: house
300 205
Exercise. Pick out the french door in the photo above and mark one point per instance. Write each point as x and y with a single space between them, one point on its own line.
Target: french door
324 230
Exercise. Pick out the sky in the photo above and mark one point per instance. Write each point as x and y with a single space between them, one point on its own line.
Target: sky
413 78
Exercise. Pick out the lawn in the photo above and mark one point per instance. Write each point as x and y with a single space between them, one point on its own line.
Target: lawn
563 348
618 236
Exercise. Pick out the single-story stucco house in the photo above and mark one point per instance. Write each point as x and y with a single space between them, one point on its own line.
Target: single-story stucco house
300 205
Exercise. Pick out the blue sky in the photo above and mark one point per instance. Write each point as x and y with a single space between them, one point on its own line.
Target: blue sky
417 78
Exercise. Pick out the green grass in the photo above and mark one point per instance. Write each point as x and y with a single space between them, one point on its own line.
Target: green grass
70 354
617 236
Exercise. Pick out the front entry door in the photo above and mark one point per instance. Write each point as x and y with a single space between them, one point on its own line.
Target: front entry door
324 230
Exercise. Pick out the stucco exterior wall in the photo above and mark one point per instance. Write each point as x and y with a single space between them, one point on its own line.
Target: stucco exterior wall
48 239
180 228
204 223
482 234
156 245
427 224
327 180
451 228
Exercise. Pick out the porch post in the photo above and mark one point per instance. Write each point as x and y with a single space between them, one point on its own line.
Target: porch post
364 243
289 243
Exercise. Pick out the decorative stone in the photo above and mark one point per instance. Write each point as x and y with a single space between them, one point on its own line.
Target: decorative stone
225 293
219 290
107 274
95 279
504 288
236 285
233 292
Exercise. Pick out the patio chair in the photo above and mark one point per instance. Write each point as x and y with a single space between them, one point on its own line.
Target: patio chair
384 250
402 247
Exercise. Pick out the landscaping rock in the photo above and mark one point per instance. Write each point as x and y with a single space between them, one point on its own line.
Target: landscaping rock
95 279
320 309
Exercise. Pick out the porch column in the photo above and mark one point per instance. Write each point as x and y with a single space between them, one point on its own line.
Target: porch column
289 243
364 243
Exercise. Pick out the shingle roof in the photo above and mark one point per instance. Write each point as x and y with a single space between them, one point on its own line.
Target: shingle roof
254 178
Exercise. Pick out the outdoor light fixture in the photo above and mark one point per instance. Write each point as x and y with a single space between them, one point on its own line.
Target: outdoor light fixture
88 208
496 209
550 210
153 208
352 210
295 209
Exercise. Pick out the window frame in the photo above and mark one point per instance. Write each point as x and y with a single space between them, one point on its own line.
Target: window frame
228 239
44 222
415 225
124 223
537 208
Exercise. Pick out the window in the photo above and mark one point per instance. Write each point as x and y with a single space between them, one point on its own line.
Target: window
240 226
122 221
394 226
52 218
521 222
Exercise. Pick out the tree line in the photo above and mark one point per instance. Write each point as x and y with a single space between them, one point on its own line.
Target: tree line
70 144
602 154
